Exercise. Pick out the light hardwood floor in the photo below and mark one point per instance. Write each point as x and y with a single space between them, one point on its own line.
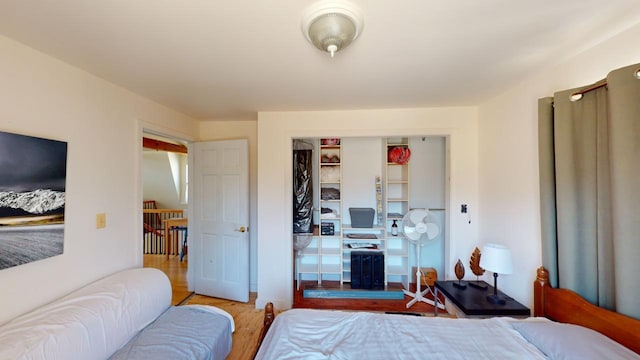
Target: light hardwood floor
176 270
247 318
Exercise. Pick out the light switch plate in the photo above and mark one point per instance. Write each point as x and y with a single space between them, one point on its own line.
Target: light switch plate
101 220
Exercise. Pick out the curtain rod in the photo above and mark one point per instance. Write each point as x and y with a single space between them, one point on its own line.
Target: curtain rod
590 88
578 94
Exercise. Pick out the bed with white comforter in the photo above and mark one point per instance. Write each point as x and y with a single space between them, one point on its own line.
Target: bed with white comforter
323 334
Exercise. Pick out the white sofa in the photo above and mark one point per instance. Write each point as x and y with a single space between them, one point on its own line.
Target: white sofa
129 312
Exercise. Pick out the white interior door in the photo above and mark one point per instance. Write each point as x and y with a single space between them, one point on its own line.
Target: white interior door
220 219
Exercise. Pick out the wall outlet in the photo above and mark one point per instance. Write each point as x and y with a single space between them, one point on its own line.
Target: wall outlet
101 220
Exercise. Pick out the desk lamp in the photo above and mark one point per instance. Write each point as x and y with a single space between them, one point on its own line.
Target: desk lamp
497 259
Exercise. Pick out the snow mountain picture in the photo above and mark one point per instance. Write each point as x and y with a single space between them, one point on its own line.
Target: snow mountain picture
32 198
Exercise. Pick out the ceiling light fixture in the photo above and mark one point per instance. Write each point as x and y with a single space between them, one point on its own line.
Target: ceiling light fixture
332 25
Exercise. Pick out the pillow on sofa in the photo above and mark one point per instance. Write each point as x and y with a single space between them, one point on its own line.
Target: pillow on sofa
568 341
92 322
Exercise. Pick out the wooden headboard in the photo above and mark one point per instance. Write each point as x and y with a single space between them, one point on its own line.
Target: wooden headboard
566 306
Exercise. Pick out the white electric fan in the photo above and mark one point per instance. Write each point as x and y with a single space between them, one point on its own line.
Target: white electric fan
419 227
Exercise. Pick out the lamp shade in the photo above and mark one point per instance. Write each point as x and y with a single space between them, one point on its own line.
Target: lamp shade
496 258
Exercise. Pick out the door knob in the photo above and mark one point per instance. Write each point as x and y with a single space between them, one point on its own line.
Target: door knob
242 229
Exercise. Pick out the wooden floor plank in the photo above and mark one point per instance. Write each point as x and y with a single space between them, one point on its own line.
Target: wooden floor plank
176 270
299 301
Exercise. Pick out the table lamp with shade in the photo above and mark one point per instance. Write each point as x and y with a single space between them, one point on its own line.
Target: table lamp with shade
497 259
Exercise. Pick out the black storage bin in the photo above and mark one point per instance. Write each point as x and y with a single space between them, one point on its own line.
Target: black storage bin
367 270
327 228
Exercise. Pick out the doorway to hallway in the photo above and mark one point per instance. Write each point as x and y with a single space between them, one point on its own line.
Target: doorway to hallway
165 185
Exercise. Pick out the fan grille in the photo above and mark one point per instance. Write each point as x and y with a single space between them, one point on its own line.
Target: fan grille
420 226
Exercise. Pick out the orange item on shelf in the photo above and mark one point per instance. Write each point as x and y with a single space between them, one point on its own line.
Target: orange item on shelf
399 155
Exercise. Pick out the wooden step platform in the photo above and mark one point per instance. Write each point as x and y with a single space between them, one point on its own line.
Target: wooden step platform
383 305
344 291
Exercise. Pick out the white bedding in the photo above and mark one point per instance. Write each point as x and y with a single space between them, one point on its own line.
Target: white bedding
320 334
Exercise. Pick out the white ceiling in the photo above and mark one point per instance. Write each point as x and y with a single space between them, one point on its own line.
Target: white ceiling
227 60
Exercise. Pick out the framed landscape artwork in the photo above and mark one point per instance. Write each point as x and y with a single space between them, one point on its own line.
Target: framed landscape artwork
32 198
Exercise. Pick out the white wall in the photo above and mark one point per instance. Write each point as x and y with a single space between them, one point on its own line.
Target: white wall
508 144
231 130
426 172
158 179
361 162
275 131
427 186
41 96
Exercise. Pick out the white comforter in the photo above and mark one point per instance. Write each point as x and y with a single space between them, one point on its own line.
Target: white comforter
318 334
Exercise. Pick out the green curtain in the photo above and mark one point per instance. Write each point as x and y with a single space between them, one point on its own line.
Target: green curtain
589 153
624 132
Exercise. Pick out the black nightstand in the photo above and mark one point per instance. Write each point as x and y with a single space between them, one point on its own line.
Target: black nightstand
472 301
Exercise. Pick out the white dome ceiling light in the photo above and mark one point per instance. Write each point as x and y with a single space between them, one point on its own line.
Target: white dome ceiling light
332 25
